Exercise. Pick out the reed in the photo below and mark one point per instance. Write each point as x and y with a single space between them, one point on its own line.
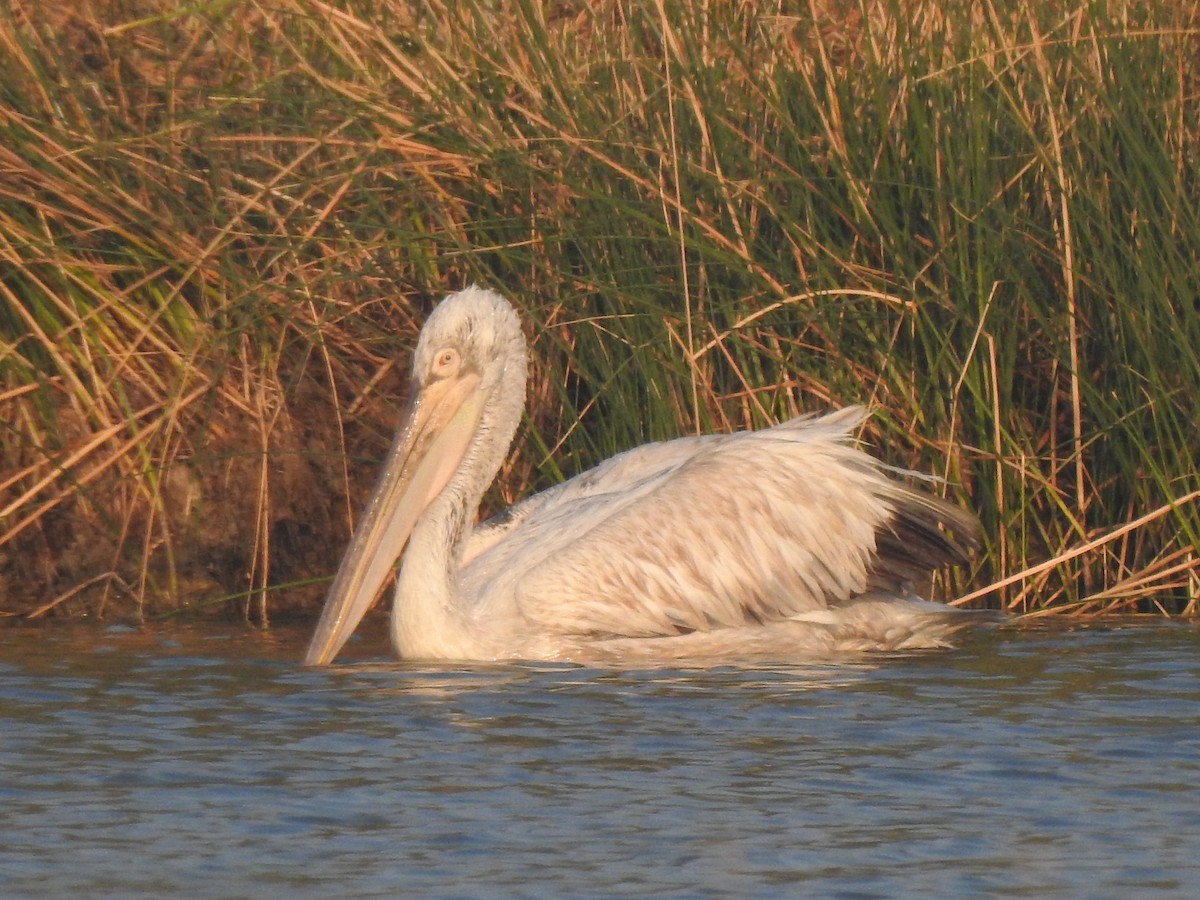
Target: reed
221 225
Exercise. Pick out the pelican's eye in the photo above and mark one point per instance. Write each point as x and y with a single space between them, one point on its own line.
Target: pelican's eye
446 363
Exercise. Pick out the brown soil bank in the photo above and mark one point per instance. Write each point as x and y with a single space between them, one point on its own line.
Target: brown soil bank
221 225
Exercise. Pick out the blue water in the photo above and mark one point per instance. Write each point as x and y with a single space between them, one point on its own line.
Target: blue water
1037 763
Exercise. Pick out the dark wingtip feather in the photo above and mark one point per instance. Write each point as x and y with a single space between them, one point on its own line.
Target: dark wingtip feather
924 533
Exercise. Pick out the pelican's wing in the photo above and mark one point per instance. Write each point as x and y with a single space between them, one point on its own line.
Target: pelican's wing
618 480
710 532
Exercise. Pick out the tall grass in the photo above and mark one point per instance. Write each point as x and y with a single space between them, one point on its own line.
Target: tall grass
221 225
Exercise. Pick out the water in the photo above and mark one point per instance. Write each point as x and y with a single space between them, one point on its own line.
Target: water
1027 763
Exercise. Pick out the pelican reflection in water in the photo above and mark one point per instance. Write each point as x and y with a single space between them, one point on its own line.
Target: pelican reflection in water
786 540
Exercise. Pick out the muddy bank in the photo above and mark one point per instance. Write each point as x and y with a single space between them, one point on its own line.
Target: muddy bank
248 518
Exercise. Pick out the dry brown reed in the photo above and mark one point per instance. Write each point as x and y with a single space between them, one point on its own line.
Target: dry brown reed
221 225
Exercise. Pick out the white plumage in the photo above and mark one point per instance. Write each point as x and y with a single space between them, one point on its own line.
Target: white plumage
786 541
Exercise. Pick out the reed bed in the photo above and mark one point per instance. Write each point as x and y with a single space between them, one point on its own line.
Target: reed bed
222 223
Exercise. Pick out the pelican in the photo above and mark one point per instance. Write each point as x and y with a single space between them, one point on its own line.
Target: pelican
786 540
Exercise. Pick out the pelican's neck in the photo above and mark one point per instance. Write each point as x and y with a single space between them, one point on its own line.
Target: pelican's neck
429 617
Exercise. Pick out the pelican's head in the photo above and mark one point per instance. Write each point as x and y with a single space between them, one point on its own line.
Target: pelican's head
467 391
474 332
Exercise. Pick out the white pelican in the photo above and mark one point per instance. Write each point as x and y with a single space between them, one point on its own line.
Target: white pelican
784 540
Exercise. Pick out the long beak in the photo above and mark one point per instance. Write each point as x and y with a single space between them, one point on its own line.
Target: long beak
442 418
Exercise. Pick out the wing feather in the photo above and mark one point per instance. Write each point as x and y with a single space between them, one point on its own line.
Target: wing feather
712 532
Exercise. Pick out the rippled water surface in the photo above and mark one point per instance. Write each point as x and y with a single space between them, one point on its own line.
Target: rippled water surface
209 763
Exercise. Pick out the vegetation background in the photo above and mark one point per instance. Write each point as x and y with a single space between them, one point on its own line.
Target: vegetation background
222 222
